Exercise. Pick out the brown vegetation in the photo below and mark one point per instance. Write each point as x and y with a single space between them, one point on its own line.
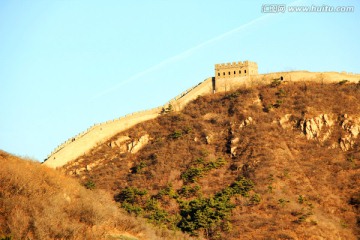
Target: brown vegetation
302 189
40 203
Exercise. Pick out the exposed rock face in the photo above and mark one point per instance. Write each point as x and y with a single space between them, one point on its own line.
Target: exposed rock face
248 121
118 142
136 145
233 151
126 144
318 127
351 125
234 140
208 138
321 127
285 122
352 129
346 143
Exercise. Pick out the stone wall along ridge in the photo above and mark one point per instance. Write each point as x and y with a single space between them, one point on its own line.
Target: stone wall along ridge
106 130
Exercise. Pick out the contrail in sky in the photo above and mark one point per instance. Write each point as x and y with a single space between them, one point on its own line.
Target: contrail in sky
187 52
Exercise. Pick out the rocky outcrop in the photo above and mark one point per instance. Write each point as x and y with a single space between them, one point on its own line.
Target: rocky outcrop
286 121
346 143
248 121
208 138
136 145
352 128
318 128
126 144
119 141
233 141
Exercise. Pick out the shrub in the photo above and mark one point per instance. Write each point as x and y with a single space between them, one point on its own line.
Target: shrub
167 191
215 164
90 185
132 208
192 174
301 199
275 83
200 167
5 238
187 130
281 93
204 213
169 108
231 96
278 103
242 186
130 194
188 191
302 217
282 202
138 168
212 213
159 216
176 134
255 199
342 82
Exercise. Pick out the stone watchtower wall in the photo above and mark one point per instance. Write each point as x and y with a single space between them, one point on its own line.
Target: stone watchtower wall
235 70
229 76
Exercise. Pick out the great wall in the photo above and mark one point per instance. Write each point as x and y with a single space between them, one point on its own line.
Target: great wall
227 77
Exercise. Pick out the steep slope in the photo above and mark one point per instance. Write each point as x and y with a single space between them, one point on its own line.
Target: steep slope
271 162
39 203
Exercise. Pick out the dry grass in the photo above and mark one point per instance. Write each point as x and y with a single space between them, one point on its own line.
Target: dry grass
305 187
39 203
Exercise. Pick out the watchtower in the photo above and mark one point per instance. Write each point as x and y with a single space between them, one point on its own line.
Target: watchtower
235 69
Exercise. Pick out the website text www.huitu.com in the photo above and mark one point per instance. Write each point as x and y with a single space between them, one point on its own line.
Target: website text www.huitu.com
282 8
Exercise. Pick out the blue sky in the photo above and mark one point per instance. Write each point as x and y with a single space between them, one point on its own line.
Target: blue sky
67 64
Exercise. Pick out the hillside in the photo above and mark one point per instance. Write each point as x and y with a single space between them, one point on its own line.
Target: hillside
277 161
99 133
40 203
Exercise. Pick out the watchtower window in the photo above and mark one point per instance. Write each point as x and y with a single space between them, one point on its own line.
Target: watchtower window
218 74
239 71
224 73
229 73
244 71
234 72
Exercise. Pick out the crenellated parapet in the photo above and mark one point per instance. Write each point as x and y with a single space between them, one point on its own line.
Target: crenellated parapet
235 64
235 69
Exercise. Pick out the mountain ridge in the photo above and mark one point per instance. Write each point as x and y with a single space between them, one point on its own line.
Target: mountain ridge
99 133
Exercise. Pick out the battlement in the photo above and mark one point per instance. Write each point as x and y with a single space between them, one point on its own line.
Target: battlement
235 69
235 64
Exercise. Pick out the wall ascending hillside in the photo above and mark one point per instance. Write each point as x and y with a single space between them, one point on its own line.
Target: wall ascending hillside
97 134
